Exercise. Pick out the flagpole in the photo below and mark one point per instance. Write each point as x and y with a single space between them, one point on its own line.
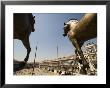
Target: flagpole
34 61
57 51
58 56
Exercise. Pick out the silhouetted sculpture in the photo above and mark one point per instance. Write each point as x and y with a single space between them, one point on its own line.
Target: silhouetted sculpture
23 26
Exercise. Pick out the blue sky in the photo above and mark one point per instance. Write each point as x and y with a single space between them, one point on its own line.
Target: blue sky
48 33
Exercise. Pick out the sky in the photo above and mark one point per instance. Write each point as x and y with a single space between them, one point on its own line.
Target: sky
48 34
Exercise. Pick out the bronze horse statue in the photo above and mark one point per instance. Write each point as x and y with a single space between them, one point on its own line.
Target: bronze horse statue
81 31
23 26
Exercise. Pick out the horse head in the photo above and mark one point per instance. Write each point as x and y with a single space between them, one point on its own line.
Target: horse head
32 20
69 27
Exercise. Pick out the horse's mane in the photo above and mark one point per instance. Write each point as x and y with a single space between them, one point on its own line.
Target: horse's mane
73 19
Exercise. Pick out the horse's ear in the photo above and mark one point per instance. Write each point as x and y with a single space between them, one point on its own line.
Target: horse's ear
64 23
64 35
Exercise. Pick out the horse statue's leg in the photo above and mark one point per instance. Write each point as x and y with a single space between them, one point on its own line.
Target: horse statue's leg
78 49
27 46
76 53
